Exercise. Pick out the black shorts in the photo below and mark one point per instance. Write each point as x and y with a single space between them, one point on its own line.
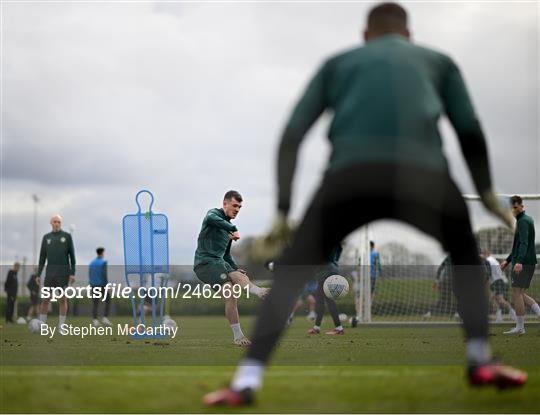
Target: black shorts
56 281
523 279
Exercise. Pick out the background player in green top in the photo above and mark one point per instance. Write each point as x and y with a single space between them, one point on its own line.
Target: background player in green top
58 252
214 263
386 99
523 262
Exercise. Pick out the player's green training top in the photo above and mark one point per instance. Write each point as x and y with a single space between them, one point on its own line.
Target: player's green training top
58 251
214 243
523 249
386 99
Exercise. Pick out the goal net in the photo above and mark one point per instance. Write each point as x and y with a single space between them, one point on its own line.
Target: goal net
407 278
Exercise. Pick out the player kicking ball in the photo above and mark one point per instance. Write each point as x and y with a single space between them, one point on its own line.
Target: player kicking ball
386 98
214 264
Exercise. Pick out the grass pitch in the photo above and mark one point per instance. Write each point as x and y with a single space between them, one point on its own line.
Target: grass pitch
370 369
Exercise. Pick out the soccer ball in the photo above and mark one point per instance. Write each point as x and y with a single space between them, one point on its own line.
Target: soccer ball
336 286
343 317
169 322
35 325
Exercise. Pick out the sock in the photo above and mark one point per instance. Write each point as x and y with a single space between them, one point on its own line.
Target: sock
61 320
498 314
536 309
43 318
478 351
520 322
512 313
340 328
248 375
237 331
253 289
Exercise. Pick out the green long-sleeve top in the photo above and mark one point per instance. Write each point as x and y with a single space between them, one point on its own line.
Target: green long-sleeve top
58 252
523 248
214 244
386 99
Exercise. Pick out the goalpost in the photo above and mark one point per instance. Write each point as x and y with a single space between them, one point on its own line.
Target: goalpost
407 289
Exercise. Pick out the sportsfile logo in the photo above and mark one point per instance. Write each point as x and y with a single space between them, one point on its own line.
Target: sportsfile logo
113 290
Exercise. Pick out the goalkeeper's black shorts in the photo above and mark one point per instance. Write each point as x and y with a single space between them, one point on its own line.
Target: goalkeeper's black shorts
359 194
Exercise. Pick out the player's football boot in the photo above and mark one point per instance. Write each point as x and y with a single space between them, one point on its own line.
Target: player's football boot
106 322
497 374
313 330
515 332
242 341
229 397
335 332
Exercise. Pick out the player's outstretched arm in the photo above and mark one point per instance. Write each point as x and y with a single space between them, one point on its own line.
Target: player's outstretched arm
311 105
462 116
460 111
215 220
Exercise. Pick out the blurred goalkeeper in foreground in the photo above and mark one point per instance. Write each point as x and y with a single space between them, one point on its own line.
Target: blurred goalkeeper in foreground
386 98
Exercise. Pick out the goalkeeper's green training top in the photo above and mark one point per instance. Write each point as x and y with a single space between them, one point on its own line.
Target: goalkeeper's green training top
214 244
386 99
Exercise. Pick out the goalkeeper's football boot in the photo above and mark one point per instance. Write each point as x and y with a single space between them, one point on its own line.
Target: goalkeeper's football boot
335 332
230 397
495 373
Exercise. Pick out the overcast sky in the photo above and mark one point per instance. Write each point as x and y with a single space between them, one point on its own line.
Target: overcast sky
100 100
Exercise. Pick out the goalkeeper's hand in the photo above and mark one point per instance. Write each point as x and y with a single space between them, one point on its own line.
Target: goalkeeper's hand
270 247
494 205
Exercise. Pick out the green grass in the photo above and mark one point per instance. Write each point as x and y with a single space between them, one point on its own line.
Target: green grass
370 369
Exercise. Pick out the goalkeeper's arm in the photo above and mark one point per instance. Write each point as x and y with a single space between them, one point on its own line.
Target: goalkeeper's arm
460 112
309 108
